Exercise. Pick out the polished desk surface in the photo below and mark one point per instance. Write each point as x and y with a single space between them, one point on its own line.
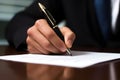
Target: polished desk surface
22 71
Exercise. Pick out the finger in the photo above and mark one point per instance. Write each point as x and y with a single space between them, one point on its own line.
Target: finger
50 35
69 36
33 47
41 41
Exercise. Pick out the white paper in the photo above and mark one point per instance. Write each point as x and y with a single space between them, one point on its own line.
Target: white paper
80 59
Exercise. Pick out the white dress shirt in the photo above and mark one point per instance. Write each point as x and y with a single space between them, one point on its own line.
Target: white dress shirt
115 12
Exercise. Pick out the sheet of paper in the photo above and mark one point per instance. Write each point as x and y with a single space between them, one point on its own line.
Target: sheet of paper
80 59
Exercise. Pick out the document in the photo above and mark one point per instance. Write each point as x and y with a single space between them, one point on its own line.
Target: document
80 59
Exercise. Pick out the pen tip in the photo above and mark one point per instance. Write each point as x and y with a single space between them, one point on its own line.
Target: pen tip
69 52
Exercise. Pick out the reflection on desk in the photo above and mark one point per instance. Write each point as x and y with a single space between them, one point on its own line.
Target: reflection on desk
21 71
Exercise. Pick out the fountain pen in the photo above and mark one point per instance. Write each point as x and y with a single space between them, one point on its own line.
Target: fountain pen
51 21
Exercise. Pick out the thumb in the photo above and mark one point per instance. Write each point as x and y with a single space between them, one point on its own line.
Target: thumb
69 36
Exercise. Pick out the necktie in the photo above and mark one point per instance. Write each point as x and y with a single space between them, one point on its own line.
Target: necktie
103 14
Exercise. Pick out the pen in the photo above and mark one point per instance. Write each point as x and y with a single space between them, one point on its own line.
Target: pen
51 21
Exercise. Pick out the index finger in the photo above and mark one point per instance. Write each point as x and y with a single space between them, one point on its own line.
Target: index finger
49 33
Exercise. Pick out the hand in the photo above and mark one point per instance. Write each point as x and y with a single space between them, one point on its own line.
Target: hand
42 39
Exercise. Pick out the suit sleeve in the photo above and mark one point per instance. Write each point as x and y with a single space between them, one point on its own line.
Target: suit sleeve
16 30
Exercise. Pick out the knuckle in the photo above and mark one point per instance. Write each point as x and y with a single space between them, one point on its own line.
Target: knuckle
40 22
37 22
30 31
27 40
50 34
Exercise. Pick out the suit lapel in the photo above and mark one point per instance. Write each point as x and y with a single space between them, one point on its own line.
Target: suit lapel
94 25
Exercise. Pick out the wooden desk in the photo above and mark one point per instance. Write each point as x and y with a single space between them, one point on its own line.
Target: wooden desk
21 71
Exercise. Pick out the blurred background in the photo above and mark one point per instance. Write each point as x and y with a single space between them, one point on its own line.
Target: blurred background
7 10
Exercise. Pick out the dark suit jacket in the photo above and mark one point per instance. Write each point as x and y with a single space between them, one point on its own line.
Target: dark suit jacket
80 17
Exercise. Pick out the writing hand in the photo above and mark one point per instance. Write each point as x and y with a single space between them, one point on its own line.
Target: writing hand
42 39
